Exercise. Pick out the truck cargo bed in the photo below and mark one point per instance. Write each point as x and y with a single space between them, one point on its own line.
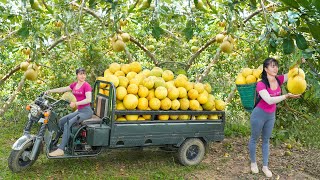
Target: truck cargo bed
170 132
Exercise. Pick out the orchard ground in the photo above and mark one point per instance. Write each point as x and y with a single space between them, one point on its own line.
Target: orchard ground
224 160
230 160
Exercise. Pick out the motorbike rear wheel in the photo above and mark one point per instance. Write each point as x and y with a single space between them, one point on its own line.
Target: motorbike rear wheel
19 159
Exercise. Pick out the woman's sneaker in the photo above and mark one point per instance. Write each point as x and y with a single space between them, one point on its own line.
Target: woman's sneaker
58 152
266 171
254 168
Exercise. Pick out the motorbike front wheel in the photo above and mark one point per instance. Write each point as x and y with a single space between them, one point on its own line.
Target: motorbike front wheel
19 159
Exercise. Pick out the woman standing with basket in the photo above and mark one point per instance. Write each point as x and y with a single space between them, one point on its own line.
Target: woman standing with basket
263 115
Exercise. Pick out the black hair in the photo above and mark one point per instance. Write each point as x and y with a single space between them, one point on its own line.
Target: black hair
266 63
80 70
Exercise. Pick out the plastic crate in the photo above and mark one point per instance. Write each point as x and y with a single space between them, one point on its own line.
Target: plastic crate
248 95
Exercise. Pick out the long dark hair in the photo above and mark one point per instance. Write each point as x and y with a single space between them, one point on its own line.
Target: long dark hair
266 63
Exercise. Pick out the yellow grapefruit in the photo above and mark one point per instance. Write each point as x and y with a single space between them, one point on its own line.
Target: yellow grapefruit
130 101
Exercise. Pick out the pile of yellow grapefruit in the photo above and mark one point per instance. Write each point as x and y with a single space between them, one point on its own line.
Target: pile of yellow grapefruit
248 76
157 89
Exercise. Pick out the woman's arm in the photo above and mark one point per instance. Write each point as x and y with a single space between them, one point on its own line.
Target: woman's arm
59 90
86 100
264 94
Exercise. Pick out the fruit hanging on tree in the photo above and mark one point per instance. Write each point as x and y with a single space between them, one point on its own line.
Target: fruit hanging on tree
24 65
117 43
296 82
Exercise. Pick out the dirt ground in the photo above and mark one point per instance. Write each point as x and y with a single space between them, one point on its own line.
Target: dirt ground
230 160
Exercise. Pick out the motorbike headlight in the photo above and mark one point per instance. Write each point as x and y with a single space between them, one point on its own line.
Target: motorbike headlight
35 110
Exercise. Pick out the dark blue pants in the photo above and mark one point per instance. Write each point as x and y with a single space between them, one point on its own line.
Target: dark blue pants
82 114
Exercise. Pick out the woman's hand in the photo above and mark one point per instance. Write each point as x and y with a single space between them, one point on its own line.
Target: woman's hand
290 95
73 105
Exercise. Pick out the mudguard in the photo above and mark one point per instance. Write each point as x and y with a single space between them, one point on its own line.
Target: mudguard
23 140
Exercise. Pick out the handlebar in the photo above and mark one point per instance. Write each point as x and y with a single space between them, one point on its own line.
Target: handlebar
60 100
43 97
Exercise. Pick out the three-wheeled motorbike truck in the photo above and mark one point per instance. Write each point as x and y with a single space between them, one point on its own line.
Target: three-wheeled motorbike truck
189 138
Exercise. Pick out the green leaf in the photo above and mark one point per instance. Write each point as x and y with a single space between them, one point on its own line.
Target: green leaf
131 7
253 4
296 59
282 9
301 42
291 3
92 4
314 29
288 45
272 49
303 29
213 10
307 54
35 5
304 3
316 3
156 30
272 42
188 31
24 30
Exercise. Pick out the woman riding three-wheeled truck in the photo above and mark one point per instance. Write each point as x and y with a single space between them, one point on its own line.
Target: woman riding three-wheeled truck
188 137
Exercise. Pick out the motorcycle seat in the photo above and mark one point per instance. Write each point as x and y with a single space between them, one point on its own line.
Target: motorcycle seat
93 120
100 111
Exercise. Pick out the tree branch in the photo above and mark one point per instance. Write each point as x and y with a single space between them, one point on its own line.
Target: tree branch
80 14
47 7
135 4
263 7
294 112
8 36
195 55
313 69
172 35
10 100
87 10
206 72
149 54
210 6
61 39
128 55
15 69
231 94
257 12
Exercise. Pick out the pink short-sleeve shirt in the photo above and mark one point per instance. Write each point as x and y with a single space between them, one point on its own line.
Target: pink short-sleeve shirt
80 93
277 92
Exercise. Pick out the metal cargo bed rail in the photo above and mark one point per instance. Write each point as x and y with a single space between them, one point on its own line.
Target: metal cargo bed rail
192 114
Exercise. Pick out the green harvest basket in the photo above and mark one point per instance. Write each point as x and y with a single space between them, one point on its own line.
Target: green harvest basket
248 95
